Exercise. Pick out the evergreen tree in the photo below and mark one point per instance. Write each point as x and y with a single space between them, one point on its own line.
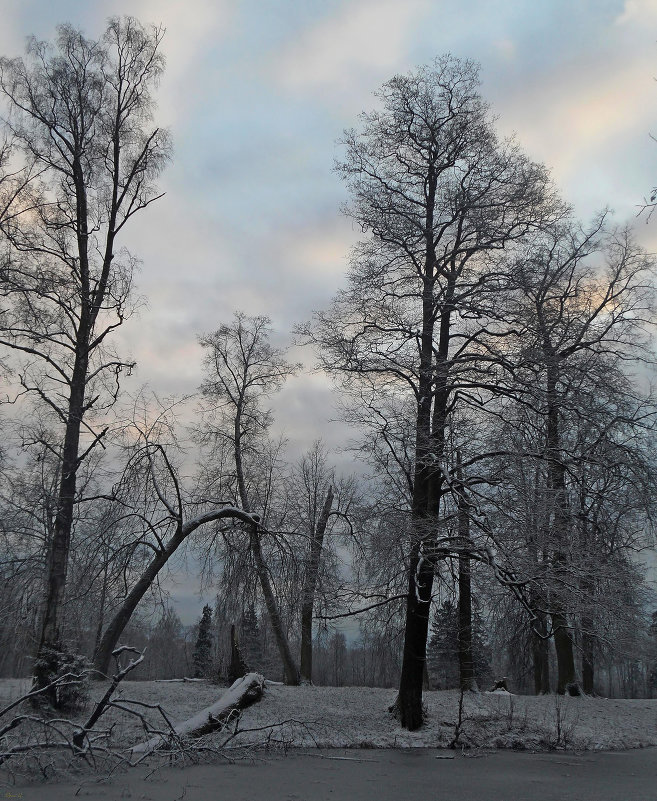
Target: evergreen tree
251 639
202 656
443 648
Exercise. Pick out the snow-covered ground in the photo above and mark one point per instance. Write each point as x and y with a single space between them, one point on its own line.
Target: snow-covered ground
358 717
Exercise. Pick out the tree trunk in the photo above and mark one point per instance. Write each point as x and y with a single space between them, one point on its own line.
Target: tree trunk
541 659
308 592
237 667
408 705
290 669
427 484
244 692
101 610
563 643
123 615
50 641
587 587
467 679
587 659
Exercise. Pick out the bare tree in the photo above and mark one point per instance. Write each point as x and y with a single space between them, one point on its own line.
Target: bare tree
242 368
163 513
440 195
316 496
587 299
323 508
79 114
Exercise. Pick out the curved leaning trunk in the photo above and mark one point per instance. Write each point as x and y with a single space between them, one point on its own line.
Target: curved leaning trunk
120 620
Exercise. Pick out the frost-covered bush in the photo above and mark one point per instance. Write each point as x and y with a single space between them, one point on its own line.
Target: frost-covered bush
71 694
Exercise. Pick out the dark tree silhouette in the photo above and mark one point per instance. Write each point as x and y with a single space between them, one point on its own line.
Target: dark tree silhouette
439 196
80 120
202 656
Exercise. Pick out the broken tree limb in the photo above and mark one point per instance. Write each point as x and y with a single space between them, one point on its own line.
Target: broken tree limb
242 693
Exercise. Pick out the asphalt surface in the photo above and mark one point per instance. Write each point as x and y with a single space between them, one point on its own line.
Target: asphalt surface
385 775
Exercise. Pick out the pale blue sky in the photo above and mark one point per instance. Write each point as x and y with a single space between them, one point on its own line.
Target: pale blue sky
256 94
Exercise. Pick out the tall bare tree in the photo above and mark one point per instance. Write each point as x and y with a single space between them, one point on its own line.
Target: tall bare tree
242 368
439 196
314 495
80 117
585 309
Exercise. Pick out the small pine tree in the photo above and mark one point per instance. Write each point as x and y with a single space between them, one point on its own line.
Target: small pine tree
251 639
202 656
443 647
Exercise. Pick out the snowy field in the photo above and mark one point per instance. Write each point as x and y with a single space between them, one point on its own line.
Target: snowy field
358 717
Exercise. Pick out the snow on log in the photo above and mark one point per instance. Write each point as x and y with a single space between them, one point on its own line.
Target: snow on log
240 694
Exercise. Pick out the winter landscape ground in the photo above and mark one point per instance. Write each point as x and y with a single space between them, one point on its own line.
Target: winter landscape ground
312 743
358 718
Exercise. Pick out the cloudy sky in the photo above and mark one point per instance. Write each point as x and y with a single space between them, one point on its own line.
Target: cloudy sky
257 92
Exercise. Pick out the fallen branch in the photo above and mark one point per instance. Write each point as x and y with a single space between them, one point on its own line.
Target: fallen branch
242 693
40 734
105 701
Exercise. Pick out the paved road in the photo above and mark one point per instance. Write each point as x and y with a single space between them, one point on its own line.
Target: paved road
417 775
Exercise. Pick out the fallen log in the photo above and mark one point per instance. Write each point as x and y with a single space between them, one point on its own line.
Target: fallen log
241 693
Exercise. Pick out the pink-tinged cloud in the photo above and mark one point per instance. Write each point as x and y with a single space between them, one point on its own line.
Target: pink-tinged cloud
370 36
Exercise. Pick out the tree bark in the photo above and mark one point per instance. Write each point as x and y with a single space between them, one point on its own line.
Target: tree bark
408 705
244 692
50 641
563 643
289 668
308 591
427 485
122 617
237 667
467 679
541 659
588 663
587 588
